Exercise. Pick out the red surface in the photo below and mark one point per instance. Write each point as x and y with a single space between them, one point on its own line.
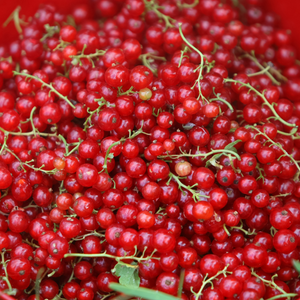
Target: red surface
28 8
287 9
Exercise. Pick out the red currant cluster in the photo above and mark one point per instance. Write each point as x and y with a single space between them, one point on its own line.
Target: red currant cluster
150 148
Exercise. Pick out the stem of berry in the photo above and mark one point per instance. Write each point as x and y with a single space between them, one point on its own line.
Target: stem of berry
102 297
51 30
271 284
76 58
31 120
34 131
117 258
52 273
248 85
200 67
185 5
291 133
226 230
247 232
283 296
209 280
196 195
80 238
87 122
65 143
276 144
220 99
131 136
147 58
276 72
129 92
53 171
152 5
263 69
73 265
261 175
204 155
16 18
75 148
281 195
11 152
6 275
4 143
49 86
182 55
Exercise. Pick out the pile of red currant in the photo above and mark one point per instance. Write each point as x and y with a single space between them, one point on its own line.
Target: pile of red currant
150 149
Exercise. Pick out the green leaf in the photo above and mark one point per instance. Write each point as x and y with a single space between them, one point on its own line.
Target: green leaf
218 155
128 274
142 292
296 264
231 146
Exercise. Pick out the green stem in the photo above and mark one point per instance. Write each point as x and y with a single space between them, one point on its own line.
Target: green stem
243 230
5 270
276 144
39 277
131 136
4 144
52 273
166 19
204 155
281 195
49 86
129 92
12 153
292 132
196 195
254 59
276 72
53 171
146 62
117 258
200 67
73 265
76 58
101 102
283 296
31 120
27 133
272 284
226 230
182 55
16 18
51 30
266 102
222 100
209 280
75 148
185 5
65 143
107 153
263 71
80 238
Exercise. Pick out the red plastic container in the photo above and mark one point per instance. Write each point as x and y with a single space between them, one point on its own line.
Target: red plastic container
287 9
